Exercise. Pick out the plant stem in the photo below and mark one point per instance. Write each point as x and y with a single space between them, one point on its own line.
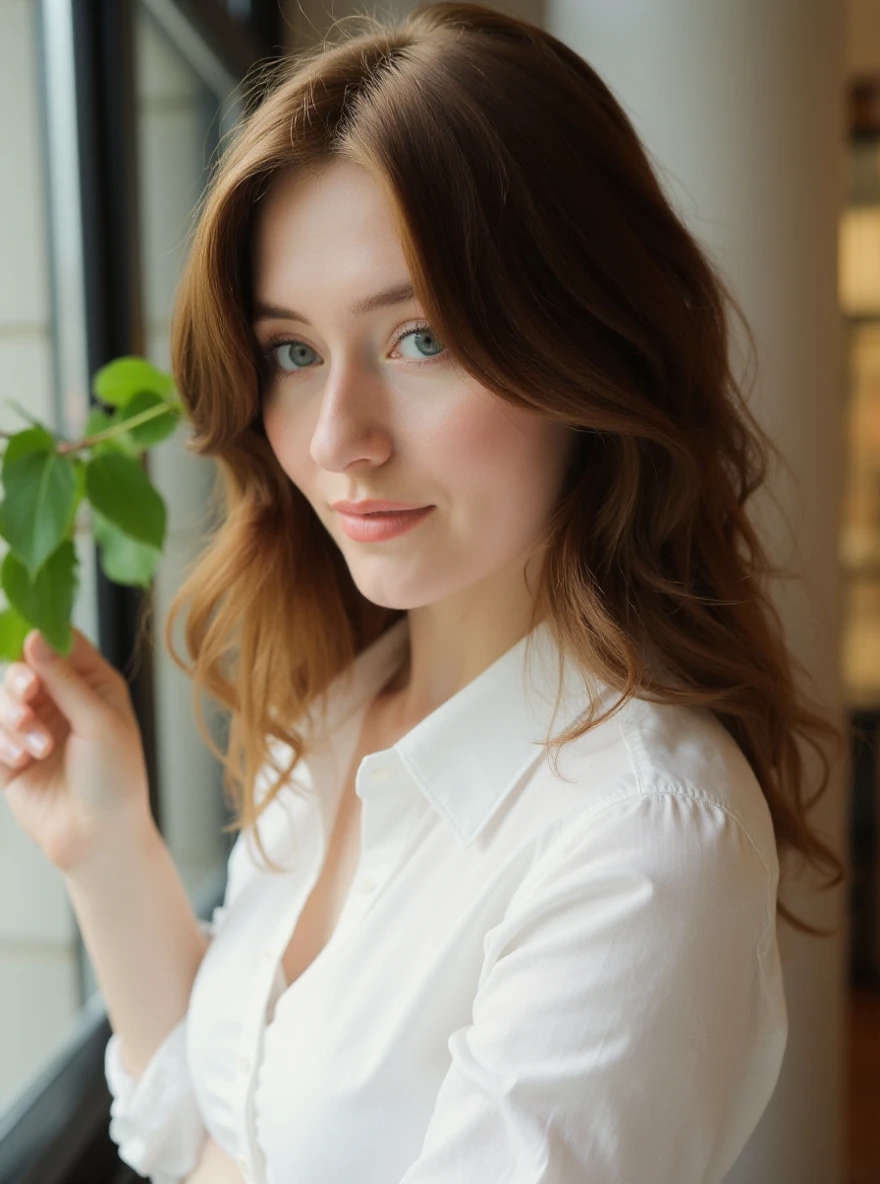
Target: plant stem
118 428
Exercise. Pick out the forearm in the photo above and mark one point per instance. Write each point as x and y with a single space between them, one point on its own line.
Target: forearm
143 938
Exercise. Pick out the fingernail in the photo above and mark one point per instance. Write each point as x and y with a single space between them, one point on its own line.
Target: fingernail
17 713
11 750
36 743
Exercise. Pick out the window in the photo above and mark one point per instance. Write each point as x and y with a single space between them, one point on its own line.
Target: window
112 114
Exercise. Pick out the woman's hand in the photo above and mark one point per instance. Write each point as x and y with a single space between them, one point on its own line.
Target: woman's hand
88 786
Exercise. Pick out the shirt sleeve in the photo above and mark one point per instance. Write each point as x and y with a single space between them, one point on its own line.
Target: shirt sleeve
154 1120
629 1021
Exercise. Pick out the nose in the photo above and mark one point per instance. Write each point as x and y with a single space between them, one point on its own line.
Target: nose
352 421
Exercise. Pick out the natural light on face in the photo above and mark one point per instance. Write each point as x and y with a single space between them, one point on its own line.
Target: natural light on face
369 404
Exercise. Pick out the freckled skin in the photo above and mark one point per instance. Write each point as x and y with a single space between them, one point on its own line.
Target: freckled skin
353 416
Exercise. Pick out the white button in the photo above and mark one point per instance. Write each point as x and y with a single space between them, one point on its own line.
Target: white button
366 884
267 956
381 773
242 1163
245 1065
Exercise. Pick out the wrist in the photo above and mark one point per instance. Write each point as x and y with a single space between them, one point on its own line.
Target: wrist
104 855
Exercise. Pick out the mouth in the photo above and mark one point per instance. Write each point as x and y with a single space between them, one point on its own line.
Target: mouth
379 525
387 513
374 505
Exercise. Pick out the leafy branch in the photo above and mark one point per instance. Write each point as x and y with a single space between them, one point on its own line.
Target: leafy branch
45 480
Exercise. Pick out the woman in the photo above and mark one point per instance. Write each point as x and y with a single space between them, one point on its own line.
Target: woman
514 760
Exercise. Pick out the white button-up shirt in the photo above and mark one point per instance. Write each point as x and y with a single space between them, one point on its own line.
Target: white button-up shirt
539 976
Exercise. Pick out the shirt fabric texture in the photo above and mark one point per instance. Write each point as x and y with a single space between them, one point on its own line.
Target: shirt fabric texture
536 978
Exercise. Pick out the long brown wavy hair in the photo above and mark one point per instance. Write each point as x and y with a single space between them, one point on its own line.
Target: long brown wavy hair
552 266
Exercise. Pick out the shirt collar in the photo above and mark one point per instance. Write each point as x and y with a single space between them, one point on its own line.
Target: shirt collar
469 754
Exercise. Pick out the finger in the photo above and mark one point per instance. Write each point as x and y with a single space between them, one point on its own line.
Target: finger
52 717
40 703
14 714
12 751
23 683
22 717
39 730
83 683
51 721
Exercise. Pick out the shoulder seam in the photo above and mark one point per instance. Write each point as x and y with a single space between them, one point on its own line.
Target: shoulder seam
558 847
625 728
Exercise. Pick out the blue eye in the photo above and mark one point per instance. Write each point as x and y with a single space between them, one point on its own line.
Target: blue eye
422 331
297 346
269 355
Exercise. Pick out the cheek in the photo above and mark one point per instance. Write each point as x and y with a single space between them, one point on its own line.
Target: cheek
504 458
466 439
285 441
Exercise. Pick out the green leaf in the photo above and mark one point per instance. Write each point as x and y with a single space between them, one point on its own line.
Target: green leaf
35 439
39 506
153 431
122 491
14 628
47 599
121 379
123 559
98 421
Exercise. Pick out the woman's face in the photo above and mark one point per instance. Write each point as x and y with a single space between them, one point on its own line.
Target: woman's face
370 405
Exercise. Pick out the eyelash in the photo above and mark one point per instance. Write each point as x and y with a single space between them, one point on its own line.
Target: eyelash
268 353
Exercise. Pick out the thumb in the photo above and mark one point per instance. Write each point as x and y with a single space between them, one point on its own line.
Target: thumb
82 684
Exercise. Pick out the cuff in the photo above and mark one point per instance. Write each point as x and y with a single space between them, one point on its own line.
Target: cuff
154 1120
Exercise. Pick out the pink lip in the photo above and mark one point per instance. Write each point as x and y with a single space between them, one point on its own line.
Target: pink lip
375 528
371 506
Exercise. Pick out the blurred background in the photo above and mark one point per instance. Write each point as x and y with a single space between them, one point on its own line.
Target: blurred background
763 120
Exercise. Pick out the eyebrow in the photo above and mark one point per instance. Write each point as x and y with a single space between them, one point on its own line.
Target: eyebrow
396 294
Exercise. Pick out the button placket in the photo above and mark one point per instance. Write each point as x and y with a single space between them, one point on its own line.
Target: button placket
251 1035
245 1059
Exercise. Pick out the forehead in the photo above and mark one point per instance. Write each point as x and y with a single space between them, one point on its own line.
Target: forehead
322 232
337 208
